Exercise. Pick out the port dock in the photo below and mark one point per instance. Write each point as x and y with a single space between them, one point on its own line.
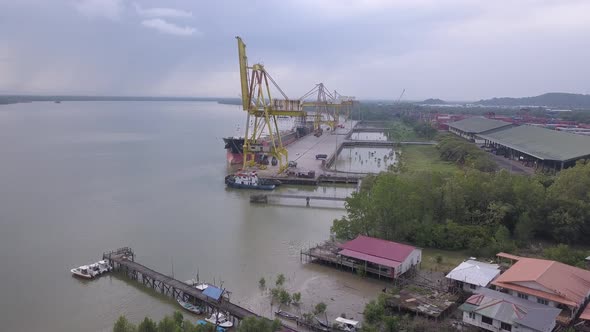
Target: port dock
304 151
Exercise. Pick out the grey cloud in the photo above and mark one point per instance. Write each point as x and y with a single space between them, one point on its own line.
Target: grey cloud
454 49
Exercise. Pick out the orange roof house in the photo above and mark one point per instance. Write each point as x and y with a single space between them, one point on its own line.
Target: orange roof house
547 282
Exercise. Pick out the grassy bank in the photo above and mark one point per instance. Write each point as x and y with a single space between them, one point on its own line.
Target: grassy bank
424 158
441 260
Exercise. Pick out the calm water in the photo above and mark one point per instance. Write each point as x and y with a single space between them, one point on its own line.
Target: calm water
364 159
80 178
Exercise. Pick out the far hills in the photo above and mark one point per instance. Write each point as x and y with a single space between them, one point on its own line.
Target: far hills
551 99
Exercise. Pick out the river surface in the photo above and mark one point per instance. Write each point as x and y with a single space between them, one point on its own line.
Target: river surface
80 178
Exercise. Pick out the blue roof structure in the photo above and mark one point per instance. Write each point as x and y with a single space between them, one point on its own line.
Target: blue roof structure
213 292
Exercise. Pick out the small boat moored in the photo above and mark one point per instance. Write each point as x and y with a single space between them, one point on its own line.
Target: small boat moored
104 266
94 269
286 315
82 272
219 319
202 322
347 325
190 307
198 285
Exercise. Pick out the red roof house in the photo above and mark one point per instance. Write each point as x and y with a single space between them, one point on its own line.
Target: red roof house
548 282
396 258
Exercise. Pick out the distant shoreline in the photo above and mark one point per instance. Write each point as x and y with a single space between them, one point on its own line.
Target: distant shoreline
15 99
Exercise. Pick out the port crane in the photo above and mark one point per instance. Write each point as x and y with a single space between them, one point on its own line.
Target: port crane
262 112
347 102
326 105
322 105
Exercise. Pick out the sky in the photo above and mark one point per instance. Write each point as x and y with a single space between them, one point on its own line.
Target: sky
370 49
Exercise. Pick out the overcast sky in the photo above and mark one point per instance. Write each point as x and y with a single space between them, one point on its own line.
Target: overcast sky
454 50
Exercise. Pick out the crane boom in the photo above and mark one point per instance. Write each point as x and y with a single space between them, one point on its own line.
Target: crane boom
243 73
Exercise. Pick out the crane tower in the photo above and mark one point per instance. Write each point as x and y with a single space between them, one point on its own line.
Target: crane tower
263 111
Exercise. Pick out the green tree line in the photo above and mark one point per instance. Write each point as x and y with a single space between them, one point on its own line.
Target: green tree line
483 212
464 153
177 323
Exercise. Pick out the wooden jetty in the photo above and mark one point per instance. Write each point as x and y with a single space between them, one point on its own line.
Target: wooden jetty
263 198
123 260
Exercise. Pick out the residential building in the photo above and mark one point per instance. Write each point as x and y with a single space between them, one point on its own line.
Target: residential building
382 256
546 282
471 275
495 311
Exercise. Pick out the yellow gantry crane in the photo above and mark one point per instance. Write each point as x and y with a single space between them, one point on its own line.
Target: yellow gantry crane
323 105
327 106
346 102
263 111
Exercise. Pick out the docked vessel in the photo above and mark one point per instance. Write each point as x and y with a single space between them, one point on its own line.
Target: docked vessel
235 145
94 269
82 272
220 319
190 307
248 180
104 266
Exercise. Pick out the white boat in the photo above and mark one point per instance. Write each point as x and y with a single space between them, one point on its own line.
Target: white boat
347 325
190 307
220 319
94 269
82 272
198 285
104 266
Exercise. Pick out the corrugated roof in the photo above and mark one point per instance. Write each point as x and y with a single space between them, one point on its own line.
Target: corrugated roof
511 310
478 124
475 273
379 248
369 258
586 313
542 143
567 284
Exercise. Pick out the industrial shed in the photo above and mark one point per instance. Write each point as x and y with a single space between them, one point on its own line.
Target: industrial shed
470 128
541 148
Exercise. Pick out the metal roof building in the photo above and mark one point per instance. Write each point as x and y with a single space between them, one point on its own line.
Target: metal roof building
497 311
469 128
549 282
396 258
546 147
471 274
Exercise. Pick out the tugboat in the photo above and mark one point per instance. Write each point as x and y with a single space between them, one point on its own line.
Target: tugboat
248 180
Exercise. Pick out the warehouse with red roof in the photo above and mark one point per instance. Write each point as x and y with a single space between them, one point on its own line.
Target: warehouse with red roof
389 258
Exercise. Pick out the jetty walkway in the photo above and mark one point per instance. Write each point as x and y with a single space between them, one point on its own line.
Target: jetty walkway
123 260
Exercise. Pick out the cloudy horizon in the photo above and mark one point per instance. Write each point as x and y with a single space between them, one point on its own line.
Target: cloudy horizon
371 49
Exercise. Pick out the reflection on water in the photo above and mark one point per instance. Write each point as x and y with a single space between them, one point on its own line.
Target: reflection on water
364 159
368 136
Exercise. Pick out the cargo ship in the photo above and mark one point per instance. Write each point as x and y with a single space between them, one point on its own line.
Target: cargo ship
234 145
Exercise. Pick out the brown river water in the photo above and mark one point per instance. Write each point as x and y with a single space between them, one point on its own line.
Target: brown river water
80 178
